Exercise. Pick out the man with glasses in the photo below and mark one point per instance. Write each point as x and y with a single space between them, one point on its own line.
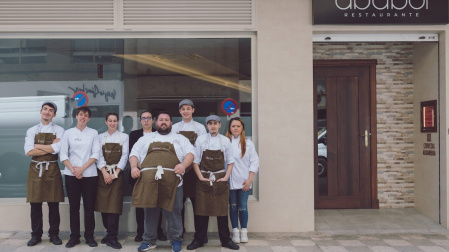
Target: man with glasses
146 120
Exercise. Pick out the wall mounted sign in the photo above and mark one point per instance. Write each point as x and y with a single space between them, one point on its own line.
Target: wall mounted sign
81 98
380 12
429 116
229 106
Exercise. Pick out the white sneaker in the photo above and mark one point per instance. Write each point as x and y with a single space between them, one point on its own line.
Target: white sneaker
244 235
235 235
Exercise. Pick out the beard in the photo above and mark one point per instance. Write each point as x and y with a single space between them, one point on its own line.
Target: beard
165 131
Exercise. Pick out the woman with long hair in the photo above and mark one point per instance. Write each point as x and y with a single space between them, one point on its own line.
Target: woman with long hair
246 165
113 158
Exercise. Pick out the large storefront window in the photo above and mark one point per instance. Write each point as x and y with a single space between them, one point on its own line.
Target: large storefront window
125 76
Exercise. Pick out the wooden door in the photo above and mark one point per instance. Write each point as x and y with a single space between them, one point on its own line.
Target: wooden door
345 148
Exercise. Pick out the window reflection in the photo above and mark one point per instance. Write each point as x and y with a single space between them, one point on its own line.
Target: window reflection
322 137
136 75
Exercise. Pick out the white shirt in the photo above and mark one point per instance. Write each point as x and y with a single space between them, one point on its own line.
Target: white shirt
78 147
197 127
243 166
116 137
180 142
219 142
40 128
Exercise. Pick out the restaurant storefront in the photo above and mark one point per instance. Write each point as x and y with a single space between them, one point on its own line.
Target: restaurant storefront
288 75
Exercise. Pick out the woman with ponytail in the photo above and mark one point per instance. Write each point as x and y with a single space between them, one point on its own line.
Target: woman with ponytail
246 165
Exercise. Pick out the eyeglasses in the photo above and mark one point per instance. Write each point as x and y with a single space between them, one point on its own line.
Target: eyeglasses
146 118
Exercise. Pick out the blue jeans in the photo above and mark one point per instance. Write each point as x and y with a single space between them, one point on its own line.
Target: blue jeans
238 208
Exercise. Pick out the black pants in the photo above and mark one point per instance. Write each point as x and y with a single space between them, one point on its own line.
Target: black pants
37 222
140 218
87 188
195 222
203 223
110 222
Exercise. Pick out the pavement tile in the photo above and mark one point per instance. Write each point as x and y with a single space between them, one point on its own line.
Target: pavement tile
333 249
398 243
283 249
4 235
327 243
408 249
440 242
309 249
372 243
432 249
258 243
382 249
347 243
358 249
255 249
303 243
279 243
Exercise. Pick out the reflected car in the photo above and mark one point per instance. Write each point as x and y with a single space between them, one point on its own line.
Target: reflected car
322 154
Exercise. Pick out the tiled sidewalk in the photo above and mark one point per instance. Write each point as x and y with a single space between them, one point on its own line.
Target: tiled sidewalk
386 230
260 242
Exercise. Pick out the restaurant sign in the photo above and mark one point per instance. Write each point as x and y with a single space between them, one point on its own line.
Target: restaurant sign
380 12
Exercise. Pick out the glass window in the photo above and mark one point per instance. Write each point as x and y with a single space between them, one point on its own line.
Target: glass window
125 76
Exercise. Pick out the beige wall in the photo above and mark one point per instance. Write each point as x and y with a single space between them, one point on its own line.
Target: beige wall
285 116
425 87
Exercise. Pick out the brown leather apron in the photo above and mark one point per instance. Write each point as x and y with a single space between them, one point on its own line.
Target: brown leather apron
190 178
212 197
110 196
44 182
151 192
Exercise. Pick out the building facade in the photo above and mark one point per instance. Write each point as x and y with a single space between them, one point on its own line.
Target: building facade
276 63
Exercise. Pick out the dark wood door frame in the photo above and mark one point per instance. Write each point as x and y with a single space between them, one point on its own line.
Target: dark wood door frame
373 122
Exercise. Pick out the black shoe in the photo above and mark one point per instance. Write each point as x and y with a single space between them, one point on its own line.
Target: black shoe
230 245
161 236
206 241
113 243
91 242
138 238
72 242
55 239
34 241
104 240
194 245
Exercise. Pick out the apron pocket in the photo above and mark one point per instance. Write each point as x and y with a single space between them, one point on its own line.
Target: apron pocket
168 185
144 192
221 187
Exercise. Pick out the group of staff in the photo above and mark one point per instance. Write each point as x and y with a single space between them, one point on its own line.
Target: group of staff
168 165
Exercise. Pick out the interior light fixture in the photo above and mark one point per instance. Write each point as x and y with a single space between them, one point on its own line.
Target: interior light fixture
181 67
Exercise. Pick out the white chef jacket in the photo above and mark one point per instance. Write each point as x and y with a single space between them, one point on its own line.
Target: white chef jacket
243 166
40 128
78 147
219 142
197 127
116 137
180 142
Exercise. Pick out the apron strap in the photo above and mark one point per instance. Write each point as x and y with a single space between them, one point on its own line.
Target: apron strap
212 175
111 169
40 163
160 171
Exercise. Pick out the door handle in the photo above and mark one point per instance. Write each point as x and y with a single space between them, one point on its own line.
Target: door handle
366 137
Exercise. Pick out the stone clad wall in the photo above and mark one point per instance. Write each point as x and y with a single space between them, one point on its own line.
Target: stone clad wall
394 90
